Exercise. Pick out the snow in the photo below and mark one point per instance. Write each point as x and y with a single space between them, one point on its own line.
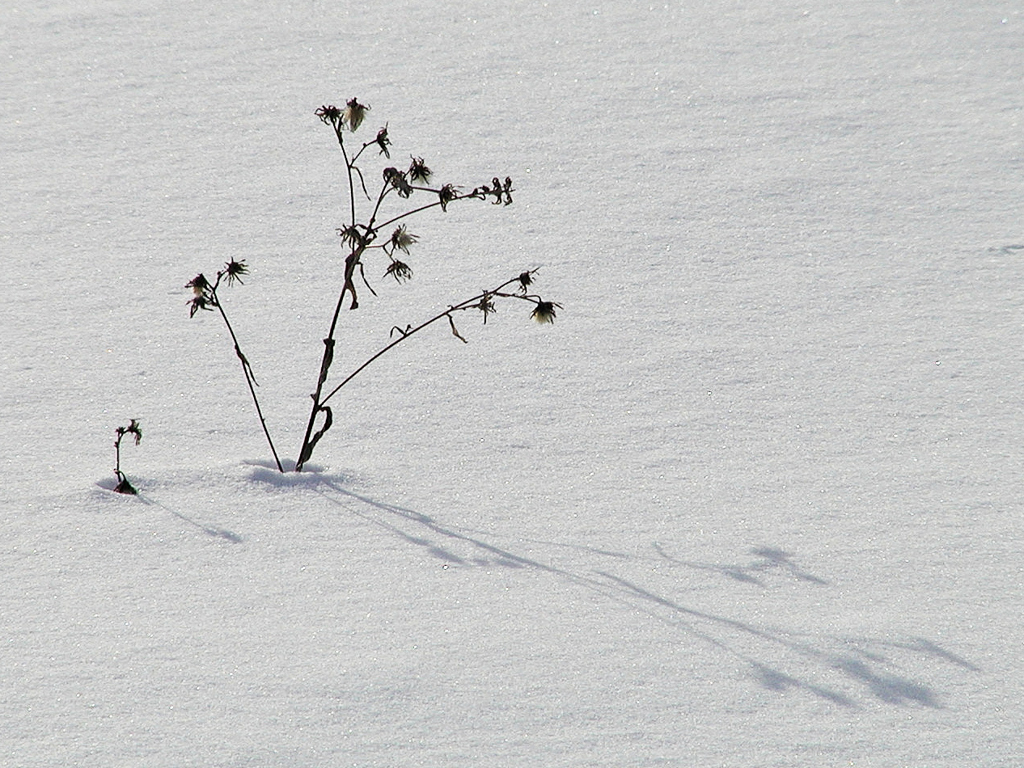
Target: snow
754 498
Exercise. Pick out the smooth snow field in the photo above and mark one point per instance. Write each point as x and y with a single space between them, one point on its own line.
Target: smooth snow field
753 500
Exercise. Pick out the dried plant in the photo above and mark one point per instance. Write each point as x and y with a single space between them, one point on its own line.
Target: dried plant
204 297
133 429
362 235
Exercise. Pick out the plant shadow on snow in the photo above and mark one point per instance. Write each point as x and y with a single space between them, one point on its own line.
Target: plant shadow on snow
769 559
827 663
209 530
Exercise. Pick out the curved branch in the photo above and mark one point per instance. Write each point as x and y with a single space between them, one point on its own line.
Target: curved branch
409 332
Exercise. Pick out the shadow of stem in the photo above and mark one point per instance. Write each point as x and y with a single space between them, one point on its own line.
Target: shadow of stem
852 658
209 530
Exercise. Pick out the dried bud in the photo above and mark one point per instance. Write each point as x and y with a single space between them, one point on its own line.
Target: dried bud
133 429
354 115
234 270
401 239
418 171
396 179
351 235
383 141
201 302
202 292
486 306
399 270
329 114
544 312
199 284
524 280
447 193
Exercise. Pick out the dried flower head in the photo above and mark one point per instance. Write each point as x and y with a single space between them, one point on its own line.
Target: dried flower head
133 429
544 312
202 295
234 271
199 284
329 114
525 280
200 302
486 306
401 239
447 193
418 171
383 142
354 114
397 180
350 235
399 270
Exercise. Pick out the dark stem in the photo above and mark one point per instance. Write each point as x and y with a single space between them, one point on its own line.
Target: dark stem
348 167
250 379
434 204
406 334
308 439
123 485
380 199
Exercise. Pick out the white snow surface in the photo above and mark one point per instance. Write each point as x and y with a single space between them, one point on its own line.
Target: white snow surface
753 500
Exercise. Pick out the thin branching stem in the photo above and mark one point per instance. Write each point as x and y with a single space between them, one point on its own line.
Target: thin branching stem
328 356
467 304
434 204
361 150
380 199
339 132
250 378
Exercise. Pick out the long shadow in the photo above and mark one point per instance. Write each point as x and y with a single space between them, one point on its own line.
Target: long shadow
865 662
209 530
219 533
491 554
768 559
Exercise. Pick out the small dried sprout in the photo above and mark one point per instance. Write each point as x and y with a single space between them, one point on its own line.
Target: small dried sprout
199 284
202 295
354 114
234 270
446 194
397 180
133 429
401 239
418 171
383 142
544 312
399 270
